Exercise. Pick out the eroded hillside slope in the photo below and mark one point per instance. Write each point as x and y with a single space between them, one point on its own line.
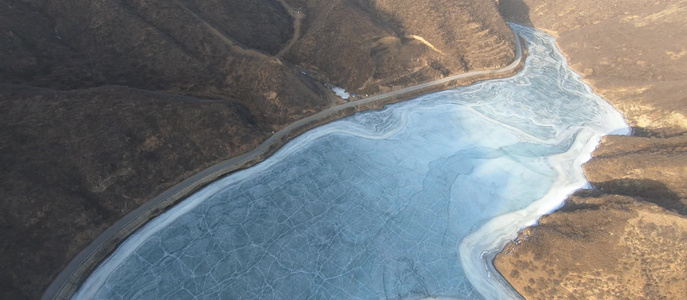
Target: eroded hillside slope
104 104
626 238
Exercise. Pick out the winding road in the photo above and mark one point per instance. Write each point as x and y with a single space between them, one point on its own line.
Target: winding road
69 280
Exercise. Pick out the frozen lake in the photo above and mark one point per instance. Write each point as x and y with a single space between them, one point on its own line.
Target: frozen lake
406 202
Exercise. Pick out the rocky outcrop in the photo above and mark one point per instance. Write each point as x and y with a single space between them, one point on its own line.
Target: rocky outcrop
104 104
625 238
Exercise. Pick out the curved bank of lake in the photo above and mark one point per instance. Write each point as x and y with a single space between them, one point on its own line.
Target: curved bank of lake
404 202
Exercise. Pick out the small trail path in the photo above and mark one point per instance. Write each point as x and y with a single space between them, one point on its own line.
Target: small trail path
297 21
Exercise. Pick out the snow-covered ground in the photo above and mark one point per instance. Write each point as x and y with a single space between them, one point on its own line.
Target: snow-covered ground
341 92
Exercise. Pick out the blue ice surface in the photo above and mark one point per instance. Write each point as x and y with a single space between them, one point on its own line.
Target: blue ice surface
377 205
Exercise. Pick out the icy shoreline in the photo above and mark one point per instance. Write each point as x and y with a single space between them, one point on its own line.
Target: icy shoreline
536 122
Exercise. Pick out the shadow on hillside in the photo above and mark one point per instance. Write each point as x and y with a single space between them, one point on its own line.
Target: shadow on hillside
515 11
648 190
657 133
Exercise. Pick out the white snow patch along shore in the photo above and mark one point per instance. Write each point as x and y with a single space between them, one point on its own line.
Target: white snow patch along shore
341 92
